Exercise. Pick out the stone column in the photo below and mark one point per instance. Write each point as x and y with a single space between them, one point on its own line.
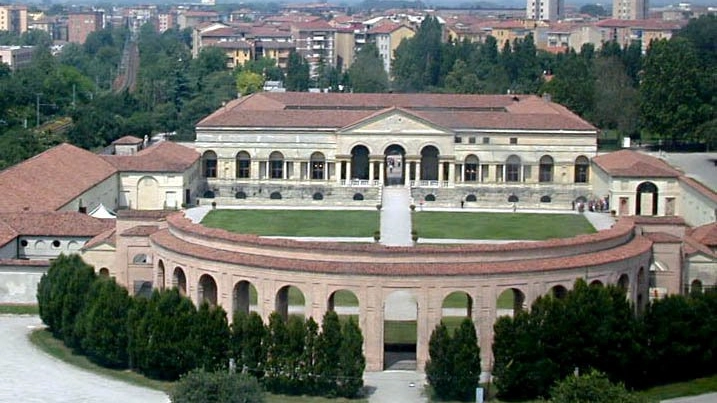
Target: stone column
418 172
381 171
267 170
463 172
451 174
348 171
254 169
370 171
440 173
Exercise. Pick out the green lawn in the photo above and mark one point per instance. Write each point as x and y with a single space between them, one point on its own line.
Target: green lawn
456 299
19 309
399 332
479 225
295 222
458 225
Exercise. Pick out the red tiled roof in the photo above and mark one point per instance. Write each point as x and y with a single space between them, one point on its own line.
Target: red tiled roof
50 180
662 237
318 25
7 233
335 110
142 215
628 163
657 220
704 190
165 239
24 262
692 246
651 24
56 223
706 234
108 237
232 45
128 140
165 156
141 230
385 28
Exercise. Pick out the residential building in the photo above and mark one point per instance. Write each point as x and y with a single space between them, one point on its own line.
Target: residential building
387 37
630 9
16 57
13 18
545 10
81 24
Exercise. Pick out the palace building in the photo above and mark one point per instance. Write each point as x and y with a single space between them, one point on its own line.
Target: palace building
491 150
297 149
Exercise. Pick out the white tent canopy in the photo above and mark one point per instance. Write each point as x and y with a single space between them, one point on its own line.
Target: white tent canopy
102 212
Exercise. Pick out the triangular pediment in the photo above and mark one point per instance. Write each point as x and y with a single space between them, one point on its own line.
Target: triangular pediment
395 120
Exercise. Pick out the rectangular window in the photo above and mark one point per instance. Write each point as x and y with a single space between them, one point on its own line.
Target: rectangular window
457 139
243 171
471 172
486 140
472 140
513 140
485 172
499 173
527 172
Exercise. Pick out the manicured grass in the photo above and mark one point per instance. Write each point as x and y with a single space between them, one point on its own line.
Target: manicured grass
328 223
442 225
399 332
18 309
44 341
673 390
456 300
506 300
345 298
479 225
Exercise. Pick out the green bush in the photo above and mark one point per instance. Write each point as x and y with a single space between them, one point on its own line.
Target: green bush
593 387
200 386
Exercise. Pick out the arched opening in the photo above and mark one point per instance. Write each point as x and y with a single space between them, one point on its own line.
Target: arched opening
623 282
359 163
149 194
317 196
275 196
276 165
510 302
582 169
456 306
140 258
512 169
559 292
318 166
243 165
545 199
646 203
160 275
209 164
208 194
429 163
471 168
395 167
104 272
545 171
696 287
430 198
345 303
207 290
400 331
513 199
179 280
240 195
244 297
290 301
471 198
596 283
358 196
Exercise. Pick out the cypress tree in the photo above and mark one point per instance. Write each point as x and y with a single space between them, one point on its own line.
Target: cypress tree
276 352
329 353
465 354
438 367
352 362
310 356
253 345
79 281
211 337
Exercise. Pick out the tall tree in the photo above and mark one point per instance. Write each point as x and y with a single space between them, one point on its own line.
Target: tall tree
210 337
297 73
465 354
329 353
670 91
351 360
417 61
438 367
367 74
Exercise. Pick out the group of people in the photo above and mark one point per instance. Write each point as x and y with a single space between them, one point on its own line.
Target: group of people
598 205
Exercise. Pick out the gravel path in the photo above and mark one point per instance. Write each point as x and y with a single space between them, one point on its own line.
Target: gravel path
29 375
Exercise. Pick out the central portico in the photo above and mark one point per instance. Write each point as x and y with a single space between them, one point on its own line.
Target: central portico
344 148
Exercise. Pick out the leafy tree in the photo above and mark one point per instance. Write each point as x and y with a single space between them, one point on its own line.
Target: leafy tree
438 367
595 10
465 354
200 386
671 102
296 370
310 356
462 79
263 66
297 73
352 362
80 278
417 60
249 82
276 353
248 334
329 353
616 99
160 340
211 337
573 83
104 324
593 387
367 74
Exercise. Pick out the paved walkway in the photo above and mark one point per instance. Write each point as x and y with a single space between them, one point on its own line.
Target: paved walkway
396 216
706 398
29 375
395 386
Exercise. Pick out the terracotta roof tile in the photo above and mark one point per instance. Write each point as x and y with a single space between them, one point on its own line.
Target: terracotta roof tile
662 237
638 246
7 233
56 223
142 215
628 163
141 230
706 234
665 220
165 156
50 180
453 111
128 140
692 246
108 237
698 186
24 262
